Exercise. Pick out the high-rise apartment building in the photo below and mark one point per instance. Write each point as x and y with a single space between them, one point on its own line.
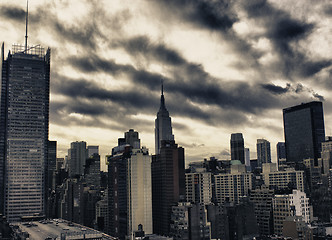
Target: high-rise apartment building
24 118
262 199
163 124
168 184
77 156
304 131
231 187
199 187
282 179
263 152
237 147
189 222
139 192
129 187
285 205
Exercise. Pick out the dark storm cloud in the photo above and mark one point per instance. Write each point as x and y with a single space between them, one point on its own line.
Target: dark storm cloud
328 10
142 45
285 31
215 15
276 89
93 63
13 13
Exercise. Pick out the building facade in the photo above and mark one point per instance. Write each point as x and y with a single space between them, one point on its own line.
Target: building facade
199 187
231 187
263 152
24 119
288 205
304 131
139 192
237 147
77 156
163 124
168 184
288 178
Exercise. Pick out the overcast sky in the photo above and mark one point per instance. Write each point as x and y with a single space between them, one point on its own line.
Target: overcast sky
228 66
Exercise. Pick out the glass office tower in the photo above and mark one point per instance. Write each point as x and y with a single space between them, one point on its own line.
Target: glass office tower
24 122
304 131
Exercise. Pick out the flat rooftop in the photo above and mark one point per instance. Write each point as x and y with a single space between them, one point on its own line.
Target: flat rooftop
57 229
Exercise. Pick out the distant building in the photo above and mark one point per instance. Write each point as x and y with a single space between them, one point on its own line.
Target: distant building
304 131
139 192
295 204
326 155
199 187
163 124
129 188
247 158
24 121
289 178
281 151
51 167
237 147
91 150
118 191
77 156
168 184
262 199
102 215
92 174
263 152
231 187
189 222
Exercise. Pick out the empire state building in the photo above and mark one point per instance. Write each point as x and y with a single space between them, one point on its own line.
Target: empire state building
163 124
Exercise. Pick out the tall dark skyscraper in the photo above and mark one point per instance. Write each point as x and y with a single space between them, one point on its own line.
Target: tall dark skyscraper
304 131
168 184
25 80
163 124
237 147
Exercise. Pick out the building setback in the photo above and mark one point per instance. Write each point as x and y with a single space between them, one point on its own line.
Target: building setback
24 118
304 131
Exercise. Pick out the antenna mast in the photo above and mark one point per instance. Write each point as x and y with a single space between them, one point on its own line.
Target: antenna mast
26 29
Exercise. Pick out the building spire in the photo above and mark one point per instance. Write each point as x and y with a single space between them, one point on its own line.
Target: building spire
162 99
26 27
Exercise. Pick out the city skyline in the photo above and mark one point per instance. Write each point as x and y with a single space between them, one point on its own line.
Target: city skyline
227 67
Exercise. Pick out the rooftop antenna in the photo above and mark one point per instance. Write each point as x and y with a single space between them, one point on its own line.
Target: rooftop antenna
162 86
26 28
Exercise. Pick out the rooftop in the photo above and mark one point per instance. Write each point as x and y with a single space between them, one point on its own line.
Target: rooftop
57 229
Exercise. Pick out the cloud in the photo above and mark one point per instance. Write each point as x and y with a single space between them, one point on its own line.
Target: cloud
285 32
276 89
215 15
13 13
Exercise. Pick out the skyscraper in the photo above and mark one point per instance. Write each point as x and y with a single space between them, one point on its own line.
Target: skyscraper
168 184
304 131
77 155
129 187
163 124
139 191
25 80
237 147
263 152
